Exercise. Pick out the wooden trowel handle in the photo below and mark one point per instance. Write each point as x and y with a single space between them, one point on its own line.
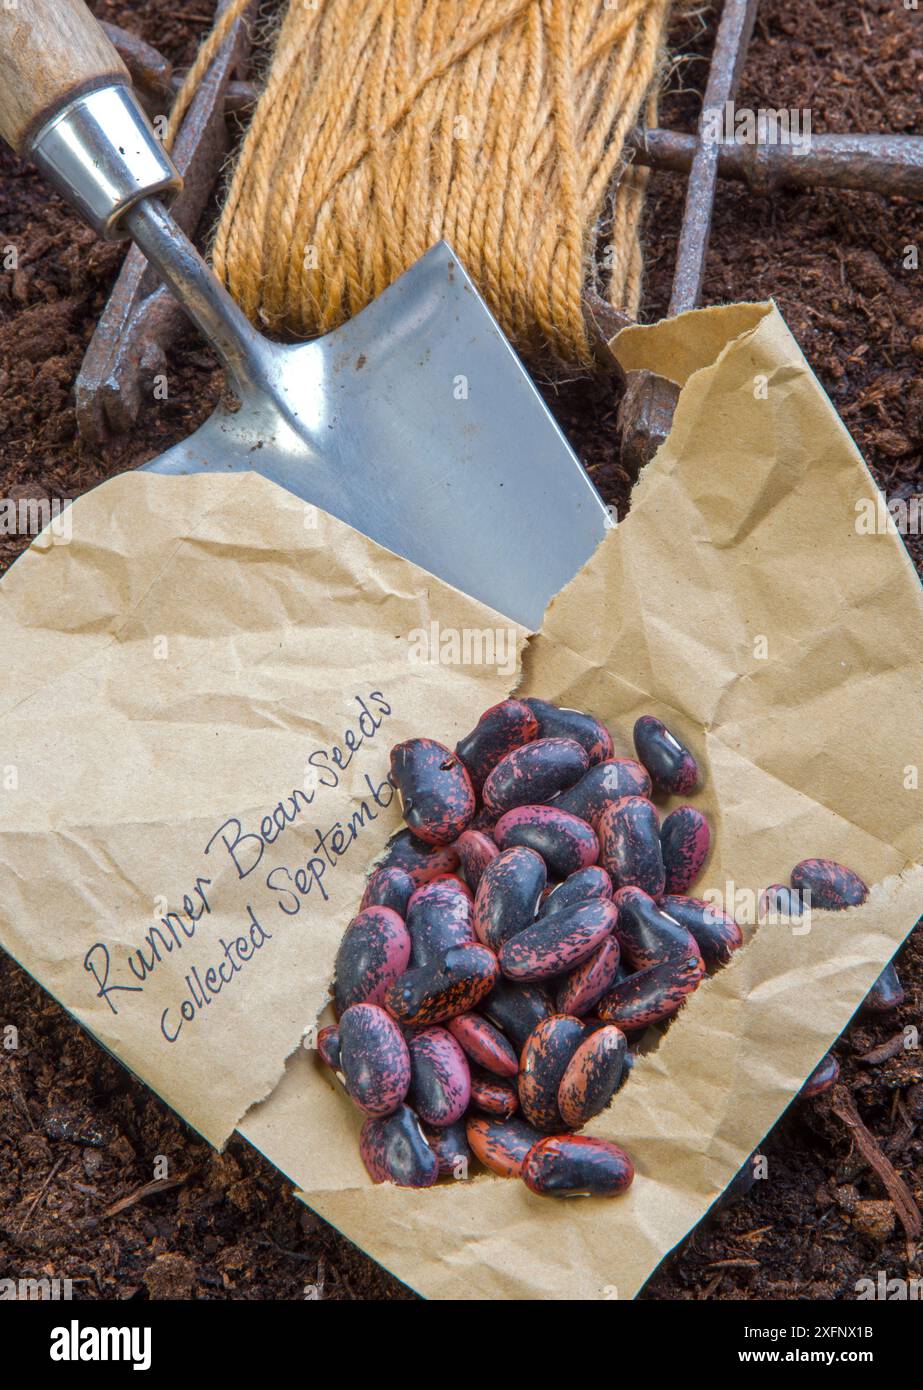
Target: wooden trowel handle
50 52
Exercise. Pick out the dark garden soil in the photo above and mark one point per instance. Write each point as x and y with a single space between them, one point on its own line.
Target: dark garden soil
78 1136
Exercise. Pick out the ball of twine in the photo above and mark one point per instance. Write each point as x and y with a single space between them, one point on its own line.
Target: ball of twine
386 125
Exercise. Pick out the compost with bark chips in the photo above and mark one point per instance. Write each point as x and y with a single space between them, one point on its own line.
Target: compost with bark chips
79 1137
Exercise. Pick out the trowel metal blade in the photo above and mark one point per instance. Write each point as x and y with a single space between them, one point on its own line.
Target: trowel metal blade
416 423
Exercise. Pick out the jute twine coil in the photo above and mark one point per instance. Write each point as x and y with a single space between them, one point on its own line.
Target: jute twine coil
206 54
386 125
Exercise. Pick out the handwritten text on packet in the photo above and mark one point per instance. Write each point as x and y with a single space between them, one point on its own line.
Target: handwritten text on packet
247 848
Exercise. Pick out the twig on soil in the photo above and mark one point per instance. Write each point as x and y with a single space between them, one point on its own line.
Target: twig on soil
292 1254
733 1264
903 1127
41 1192
884 1051
753 1235
843 1106
150 1189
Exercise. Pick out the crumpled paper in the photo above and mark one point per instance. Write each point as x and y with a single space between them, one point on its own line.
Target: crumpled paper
200 691
738 600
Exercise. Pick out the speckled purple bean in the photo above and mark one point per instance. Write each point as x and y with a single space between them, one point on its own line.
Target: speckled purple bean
440 1079
629 844
606 782
586 985
579 887
328 1046
449 881
484 1044
450 1145
374 950
476 850
743 1181
493 1094
647 934
778 900
534 773
685 840
439 916
555 721
444 988
394 1149
886 993
565 842
501 1145
671 765
716 934
824 1075
517 1009
556 944
592 1076
545 1057
388 888
577 1165
373 1059
508 895
421 861
499 730
832 886
437 798
651 995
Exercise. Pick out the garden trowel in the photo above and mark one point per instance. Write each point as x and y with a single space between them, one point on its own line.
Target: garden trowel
414 422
